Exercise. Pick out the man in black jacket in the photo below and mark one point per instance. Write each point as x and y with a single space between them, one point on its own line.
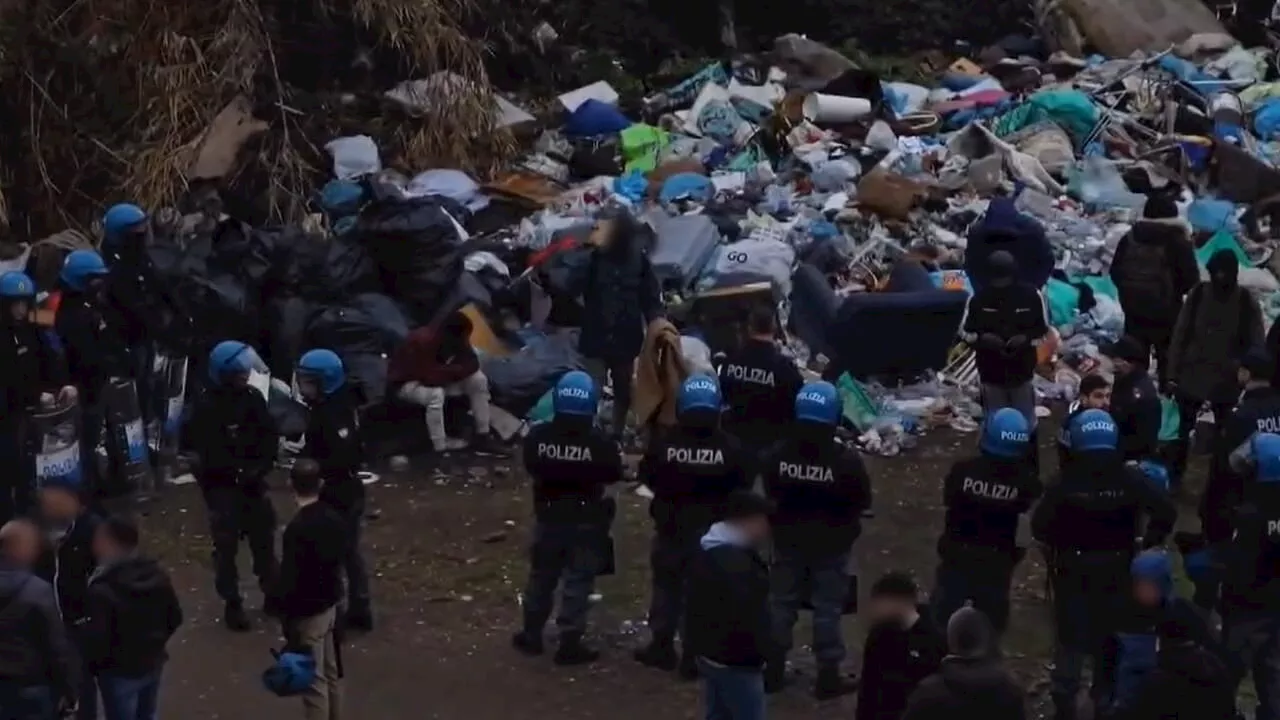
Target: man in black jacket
971 683
67 563
903 647
759 384
132 613
39 674
729 622
1005 323
1188 681
1135 403
309 588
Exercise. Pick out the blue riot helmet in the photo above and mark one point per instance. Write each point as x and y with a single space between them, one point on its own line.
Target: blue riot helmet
1005 434
17 291
80 269
320 374
291 674
698 393
575 395
1265 451
123 219
233 361
1093 431
818 402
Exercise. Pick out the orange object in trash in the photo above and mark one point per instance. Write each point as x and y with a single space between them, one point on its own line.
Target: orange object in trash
48 310
1048 347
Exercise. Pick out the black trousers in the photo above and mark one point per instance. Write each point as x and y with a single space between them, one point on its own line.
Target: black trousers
235 513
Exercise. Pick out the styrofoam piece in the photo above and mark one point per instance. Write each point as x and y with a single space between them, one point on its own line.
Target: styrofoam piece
599 90
821 108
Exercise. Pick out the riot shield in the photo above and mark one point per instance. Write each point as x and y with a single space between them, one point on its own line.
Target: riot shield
126 442
168 381
55 437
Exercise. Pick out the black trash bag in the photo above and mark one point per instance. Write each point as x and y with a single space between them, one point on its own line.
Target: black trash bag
417 248
351 329
367 374
285 324
326 270
289 414
518 381
565 273
383 312
238 250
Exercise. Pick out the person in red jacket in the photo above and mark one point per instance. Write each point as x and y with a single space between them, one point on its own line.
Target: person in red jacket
437 361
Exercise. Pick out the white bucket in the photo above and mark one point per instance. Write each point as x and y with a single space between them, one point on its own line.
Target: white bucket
821 108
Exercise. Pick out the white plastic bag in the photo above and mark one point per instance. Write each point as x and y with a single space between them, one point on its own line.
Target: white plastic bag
354 156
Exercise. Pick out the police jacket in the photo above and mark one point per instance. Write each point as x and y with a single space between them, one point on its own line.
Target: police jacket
821 489
1008 312
691 471
333 440
67 564
1135 406
759 386
1064 435
234 438
571 461
984 497
1257 411
1096 504
34 367
95 347
34 649
1252 581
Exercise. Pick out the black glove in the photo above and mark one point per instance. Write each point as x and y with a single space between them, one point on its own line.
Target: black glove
1016 342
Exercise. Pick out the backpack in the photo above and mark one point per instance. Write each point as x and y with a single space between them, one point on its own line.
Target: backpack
1148 275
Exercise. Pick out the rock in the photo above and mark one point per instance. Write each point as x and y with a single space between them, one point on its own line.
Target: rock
494 537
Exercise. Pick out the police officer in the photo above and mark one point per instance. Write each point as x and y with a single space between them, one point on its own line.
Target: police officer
1251 587
984 497
93 340
235 442
1135 403
691 472
821 489
759 384
131 289
571 461
1258 411
333 440
1095 394
36 373
1087 522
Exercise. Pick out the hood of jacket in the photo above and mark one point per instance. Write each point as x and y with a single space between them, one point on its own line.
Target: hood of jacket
722 533
133 575
972 675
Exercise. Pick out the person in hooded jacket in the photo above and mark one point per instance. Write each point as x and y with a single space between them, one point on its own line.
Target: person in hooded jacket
132 612
1219 322
821 489
1087 522
37 373
985 497
434 362
571 462
1004 229
67 563
691 471
1095 394
235 442
1251 586
971 682
94 341
333 440
759 384
1153 268
1005 322
903 647
620 297
1188 680
1135 402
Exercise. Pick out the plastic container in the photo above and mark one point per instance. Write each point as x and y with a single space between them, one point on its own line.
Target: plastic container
821 108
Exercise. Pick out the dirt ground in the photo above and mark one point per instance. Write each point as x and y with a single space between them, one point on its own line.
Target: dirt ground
448 551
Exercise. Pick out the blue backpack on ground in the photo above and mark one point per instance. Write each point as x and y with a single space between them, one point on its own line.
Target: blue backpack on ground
291 675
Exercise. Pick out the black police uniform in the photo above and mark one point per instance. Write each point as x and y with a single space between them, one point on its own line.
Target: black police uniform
821 489
1088 521
34 367
985 497
1064 434
333 440
94 342
1135 406
1251 593
759 386
235 442
691 472
571 461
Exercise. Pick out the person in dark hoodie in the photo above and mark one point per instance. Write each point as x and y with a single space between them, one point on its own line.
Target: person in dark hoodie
434 362
1153 268
821 489
132 612
1004 322
620 297
67 563
1095 394
759 384
903 647
234 441
971 682
1135 402
728 615
1218 324
93 338
333 440
1188 680
985 497
691 471
1004 229
39 673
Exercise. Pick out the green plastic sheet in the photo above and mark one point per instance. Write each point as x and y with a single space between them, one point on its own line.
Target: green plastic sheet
1222 240
857 407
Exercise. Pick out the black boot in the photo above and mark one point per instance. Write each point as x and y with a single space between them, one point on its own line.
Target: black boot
572 652
688 668
528 643
659 654
775 676
832 684
233 615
